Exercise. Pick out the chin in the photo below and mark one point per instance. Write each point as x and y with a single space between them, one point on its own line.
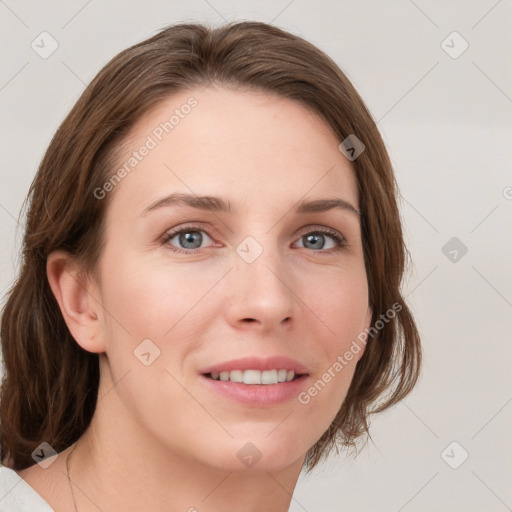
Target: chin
259 455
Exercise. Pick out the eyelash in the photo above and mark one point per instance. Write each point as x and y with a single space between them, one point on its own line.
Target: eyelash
341 242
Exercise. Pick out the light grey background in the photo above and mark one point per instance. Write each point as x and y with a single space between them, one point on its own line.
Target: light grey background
447 123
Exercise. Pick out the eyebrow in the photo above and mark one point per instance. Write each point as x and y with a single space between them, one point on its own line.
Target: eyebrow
218 204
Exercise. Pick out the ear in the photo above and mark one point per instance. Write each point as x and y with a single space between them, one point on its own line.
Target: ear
78 300
366 327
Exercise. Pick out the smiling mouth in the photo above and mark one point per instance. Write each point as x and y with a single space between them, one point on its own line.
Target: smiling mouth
251 377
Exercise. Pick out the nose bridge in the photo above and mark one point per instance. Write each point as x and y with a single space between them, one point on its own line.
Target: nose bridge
259 251
261 283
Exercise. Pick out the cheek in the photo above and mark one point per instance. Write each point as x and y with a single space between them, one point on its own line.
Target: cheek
340 302
343 312
145 308
157 310
148 300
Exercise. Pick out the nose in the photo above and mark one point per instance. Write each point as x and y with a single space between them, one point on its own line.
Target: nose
262 294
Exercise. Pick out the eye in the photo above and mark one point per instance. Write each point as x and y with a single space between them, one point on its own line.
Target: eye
190 237
317 239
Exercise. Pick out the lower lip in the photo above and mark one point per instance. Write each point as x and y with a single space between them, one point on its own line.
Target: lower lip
259 395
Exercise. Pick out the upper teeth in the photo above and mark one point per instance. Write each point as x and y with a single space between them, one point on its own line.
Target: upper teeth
255 376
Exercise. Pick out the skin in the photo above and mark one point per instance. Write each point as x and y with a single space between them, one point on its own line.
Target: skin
155 426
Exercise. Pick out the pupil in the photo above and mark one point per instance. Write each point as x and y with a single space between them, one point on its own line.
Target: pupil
188 237
318 238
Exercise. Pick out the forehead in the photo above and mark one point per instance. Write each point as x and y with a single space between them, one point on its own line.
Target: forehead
254 147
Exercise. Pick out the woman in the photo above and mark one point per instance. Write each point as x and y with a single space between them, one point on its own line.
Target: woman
210 294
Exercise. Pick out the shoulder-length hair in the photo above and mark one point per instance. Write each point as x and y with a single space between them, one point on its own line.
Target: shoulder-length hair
50 384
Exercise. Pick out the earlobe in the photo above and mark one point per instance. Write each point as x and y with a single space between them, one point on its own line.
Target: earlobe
74 294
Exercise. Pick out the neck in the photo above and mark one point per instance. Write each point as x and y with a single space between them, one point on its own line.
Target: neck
118 466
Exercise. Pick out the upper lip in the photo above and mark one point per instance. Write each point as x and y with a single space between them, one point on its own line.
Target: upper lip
257 363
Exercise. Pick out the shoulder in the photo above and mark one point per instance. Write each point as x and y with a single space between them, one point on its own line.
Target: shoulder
16 495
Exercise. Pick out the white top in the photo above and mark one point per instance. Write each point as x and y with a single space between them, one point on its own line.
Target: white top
17 496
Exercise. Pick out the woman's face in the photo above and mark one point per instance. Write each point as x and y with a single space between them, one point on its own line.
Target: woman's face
256 282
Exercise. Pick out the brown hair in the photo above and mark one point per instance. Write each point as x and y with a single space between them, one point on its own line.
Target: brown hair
49 389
